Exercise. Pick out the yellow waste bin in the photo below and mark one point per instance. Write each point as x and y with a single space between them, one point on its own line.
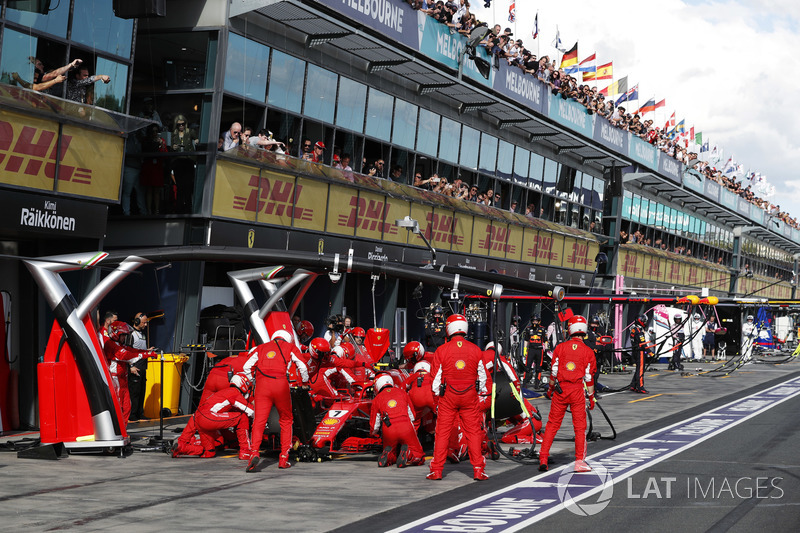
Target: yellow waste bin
172 384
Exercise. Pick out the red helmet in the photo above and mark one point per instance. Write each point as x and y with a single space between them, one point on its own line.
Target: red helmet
349 350
305 330
358 332
413 351
318 347
118 330
457 325
578 325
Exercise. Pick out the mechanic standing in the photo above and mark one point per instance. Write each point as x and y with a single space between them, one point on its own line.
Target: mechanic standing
270 362
392 416
678 338
641 352
534 339
573 366
697 328
458 377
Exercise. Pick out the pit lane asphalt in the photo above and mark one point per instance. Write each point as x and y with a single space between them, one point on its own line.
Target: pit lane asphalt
151 491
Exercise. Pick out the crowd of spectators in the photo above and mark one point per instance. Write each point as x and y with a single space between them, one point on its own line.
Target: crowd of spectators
502 46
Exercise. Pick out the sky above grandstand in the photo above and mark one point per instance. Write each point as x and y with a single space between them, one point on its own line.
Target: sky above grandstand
721 65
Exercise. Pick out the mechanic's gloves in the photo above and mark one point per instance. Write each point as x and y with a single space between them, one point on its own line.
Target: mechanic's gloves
592 401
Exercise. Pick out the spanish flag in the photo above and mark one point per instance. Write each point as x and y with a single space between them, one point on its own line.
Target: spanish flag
605 72
570 58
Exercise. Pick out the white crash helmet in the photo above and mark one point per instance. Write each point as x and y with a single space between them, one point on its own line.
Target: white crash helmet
338 351
382 382
696 316
457 325
749 318
283 335
490 346
422 366
241 382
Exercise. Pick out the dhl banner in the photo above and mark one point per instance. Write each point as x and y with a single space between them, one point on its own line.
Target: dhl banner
342 212
628 262
236 193
578 255
370 210
514 250
653 266
398 209
556 248
90 162
422 214
462 233
496 239
440 232
308 213
481 232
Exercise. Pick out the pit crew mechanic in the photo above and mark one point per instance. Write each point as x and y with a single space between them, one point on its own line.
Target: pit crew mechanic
573 366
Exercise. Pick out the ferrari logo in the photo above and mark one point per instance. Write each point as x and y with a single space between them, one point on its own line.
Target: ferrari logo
251 238
461 365
271 355
391 404
570 366
574 347
459 343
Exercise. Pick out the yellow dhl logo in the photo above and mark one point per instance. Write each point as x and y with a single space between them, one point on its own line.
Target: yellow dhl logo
441 228
496 240
542 248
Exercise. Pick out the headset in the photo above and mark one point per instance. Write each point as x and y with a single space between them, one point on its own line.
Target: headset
137 320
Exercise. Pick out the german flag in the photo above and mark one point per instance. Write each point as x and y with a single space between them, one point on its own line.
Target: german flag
605 72
570 58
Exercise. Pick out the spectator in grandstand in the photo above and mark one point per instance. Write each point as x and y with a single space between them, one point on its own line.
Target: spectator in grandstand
396 174
316 154
265 141
421 183
231 139
513 206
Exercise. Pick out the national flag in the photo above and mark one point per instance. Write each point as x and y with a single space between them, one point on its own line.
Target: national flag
512 12
648 107
680 127
536 26
691 134
588 67
670 122
605 72
698 138
633 94
619 86
570 58
730 166
557 42
704 146
662 103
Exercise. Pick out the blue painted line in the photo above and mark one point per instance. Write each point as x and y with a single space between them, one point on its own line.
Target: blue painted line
517 506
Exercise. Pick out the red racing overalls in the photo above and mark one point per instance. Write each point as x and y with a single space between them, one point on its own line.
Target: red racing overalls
225 409
458 376
573 365
392 404
269 364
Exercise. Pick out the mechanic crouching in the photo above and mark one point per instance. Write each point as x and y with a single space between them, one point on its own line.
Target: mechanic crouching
225 409
393 417
458 377
573 366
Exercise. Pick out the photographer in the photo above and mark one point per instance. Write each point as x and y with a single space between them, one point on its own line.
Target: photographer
434 328
335 330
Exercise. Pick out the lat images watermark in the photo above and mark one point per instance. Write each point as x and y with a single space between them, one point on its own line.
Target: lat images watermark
600 476
707 488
